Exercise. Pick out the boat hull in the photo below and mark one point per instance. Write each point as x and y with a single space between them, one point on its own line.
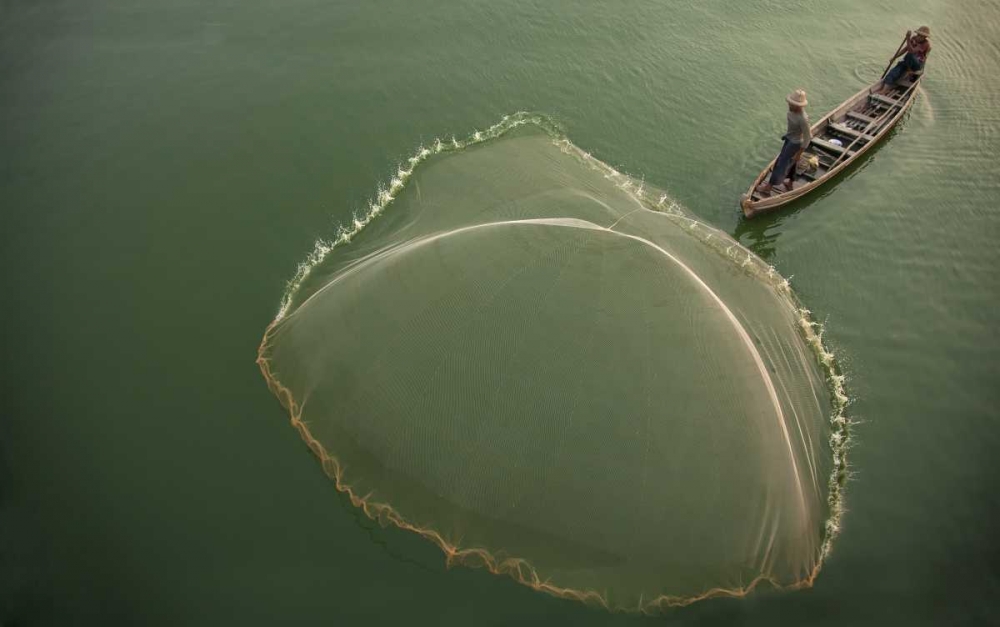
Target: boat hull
836 123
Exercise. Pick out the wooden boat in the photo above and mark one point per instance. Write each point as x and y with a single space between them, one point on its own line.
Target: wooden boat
839 138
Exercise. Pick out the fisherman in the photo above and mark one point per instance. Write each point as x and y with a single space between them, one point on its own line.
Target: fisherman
917 48
796 139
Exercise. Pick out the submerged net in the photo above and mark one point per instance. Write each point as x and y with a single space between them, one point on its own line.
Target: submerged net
550 370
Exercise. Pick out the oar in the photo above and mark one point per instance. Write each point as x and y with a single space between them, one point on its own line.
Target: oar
906 38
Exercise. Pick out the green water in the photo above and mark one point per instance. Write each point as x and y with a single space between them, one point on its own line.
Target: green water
164 167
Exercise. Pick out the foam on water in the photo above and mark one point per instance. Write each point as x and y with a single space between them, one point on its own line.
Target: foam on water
386 193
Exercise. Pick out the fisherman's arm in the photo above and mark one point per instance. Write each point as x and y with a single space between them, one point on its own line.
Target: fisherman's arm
908 47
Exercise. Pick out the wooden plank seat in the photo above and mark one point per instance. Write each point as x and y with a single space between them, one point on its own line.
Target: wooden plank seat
857 125
834 148
879 98
850 132
860 116
874 109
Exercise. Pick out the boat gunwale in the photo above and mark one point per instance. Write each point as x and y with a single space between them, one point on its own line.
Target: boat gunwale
752 208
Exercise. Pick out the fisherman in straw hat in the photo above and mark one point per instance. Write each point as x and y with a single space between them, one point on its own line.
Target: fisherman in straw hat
917 48
796 139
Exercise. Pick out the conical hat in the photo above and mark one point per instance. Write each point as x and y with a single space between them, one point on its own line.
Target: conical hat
797 98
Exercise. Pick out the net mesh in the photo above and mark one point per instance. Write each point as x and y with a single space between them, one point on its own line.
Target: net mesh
551 371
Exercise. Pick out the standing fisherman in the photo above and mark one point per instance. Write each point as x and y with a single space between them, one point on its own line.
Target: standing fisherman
796 139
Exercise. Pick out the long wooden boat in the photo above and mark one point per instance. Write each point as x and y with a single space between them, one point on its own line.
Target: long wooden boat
856 125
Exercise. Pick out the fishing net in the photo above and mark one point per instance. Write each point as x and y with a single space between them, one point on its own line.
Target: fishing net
551 371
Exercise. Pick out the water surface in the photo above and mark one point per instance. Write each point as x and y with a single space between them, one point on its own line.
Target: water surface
165 166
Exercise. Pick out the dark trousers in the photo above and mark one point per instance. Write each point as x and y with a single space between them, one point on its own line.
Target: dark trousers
910 62
785 162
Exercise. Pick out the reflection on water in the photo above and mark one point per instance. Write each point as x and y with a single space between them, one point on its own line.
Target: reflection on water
760 234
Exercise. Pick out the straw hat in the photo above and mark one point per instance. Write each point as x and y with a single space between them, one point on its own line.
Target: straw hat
797 98
925 31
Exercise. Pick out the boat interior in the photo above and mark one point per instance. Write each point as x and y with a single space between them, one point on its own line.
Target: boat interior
846 131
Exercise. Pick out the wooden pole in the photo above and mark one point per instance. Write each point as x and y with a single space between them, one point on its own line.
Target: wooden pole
906 38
